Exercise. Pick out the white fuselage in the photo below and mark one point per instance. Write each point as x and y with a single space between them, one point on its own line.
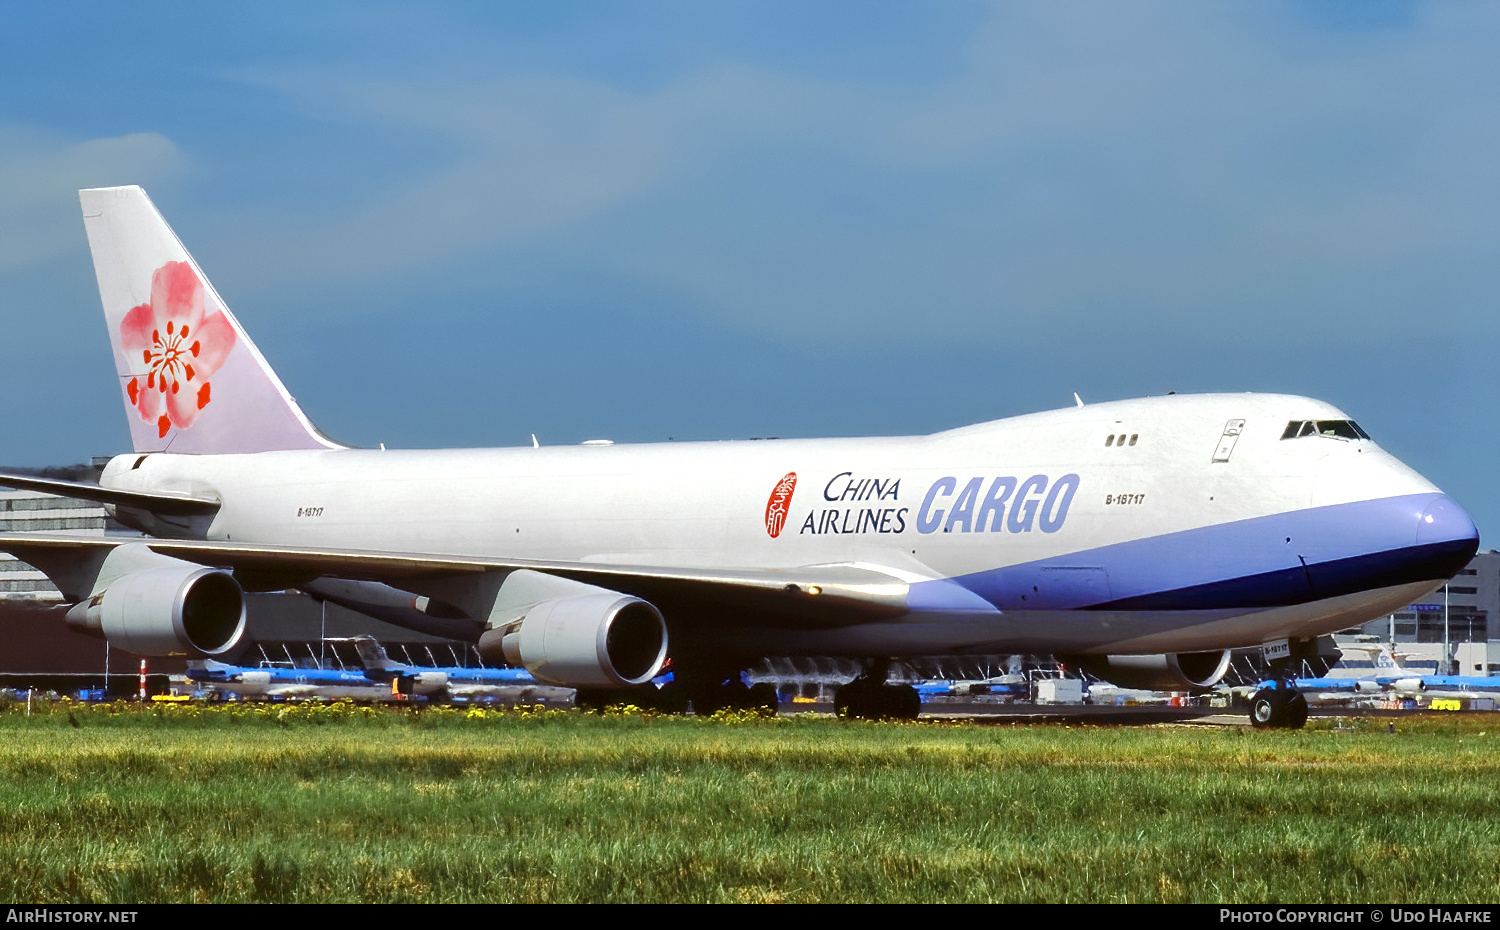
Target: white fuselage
1068 530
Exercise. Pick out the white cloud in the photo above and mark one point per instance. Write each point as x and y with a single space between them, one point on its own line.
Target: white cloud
40 176
1115 166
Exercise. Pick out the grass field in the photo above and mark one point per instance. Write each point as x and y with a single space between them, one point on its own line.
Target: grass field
344 804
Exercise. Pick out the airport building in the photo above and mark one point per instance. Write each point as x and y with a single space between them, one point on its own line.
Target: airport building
29 512
283 629
1464 614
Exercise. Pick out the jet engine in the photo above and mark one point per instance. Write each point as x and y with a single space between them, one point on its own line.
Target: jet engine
168 607
594 638
423 683
253 682
1174 671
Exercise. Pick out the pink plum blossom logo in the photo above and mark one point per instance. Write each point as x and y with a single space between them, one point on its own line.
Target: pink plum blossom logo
179 348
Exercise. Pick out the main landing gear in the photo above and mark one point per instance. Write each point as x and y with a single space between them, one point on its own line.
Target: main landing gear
870 697
1279 707
705 695
731 694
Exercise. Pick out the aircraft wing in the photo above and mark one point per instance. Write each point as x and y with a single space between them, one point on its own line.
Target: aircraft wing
167 505
833 595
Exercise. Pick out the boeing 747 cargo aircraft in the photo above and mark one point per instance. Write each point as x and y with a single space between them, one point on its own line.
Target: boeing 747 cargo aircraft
1142 537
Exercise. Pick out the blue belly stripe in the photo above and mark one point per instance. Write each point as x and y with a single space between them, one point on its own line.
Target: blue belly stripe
1432 562
1271 561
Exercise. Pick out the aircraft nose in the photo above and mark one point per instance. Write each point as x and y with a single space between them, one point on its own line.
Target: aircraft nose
1405 540
1444 521
1444 529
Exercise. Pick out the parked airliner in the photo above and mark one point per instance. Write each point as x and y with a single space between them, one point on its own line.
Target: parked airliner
293 683
456 683
1143 537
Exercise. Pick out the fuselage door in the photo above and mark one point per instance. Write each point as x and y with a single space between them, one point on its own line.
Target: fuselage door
1232 431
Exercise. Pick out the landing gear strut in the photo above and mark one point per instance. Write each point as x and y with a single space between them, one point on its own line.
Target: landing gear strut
870 697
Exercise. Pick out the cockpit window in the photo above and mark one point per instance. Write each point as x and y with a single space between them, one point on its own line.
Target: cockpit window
1334 429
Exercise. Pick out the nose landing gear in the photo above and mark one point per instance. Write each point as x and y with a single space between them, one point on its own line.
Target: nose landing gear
1277 704
1281 707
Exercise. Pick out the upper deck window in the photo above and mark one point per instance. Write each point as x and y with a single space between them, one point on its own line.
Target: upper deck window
1334 429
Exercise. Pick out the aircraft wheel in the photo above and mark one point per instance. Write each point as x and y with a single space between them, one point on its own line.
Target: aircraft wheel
902 702
1294 714
707 703
862 699
1265 709
840 704
852 700
731 695
763 698
736 694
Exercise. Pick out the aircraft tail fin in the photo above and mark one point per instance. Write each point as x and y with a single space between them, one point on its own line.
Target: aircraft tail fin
191 379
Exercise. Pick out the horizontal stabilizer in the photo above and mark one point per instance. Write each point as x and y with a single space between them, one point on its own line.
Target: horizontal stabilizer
167 505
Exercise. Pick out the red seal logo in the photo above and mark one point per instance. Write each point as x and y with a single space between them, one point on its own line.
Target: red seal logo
779 503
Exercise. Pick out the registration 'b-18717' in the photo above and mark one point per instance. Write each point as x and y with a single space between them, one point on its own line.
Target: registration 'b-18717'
1142 538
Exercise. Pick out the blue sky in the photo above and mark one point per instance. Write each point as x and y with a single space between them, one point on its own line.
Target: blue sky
460 224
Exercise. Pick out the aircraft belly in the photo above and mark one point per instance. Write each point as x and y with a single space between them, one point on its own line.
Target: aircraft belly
968 633
1251 628
1073 631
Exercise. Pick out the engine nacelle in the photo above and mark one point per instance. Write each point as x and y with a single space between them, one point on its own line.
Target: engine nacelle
1174 671
1408 687
591 638
170 608
253 682
424 683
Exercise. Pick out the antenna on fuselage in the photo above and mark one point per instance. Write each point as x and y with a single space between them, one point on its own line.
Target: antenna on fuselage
1077 399
534 443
